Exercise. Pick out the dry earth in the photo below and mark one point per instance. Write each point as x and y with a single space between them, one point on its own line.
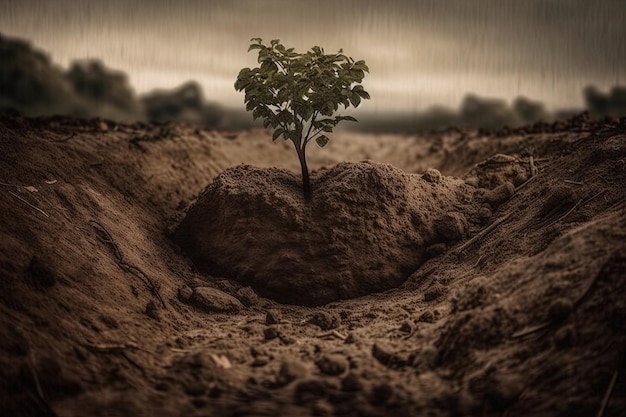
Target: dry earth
522 311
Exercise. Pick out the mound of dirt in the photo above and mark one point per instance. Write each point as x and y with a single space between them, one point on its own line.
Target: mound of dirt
366 230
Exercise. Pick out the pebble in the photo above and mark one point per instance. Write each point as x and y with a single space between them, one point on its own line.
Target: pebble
332 365
436 249
310 390
152 311
560 309
406 327
566 337
452 226
273 316
432 175
426 317
351 383
185 293
325 320
435 292
382 353
260 360
290 370
270 333
247 296
214 300
500 194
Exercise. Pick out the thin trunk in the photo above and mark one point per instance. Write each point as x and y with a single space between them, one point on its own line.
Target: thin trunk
306 183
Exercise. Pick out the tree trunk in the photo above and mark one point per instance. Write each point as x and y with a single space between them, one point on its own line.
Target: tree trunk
306 183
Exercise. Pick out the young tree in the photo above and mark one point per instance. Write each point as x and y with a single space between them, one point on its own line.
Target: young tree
298 94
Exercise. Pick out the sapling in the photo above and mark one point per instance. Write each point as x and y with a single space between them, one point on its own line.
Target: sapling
298 94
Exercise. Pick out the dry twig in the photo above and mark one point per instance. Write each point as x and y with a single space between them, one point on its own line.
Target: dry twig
533 169
105 237
332 333
525 183
482 234
607 394
30 205
111 347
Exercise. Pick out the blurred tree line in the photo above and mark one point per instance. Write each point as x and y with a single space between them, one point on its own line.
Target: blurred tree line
31 83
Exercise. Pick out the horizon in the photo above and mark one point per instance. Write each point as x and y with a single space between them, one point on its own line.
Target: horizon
421 53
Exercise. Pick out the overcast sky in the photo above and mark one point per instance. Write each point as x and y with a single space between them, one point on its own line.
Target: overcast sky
420 52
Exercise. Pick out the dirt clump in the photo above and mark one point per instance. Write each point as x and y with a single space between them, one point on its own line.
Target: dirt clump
366 230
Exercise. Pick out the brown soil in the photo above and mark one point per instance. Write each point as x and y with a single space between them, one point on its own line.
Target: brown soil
510 296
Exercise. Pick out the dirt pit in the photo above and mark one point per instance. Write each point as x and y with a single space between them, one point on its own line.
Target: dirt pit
510 304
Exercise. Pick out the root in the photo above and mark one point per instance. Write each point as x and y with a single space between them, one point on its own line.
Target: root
105 237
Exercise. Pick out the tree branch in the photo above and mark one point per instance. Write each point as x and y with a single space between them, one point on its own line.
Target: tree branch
307 138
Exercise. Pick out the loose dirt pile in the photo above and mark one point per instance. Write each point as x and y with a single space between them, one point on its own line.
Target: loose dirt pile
518 307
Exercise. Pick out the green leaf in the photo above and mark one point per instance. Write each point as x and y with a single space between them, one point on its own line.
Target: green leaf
355 99
254 46
364 94
321 140
277 133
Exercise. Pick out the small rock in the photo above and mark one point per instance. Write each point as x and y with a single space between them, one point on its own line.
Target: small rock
103 126
352 383
286 340
247 296
382 352
260 360
109 321
560 309
426 317
435 292
452 226
388 357
406 327
214 300
332 365
152 311
432 175
350 339
270 333
566 337
325 320
226 285
436 249
41 273
273 316
310 390
290 370
185 293
500 194
484 214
